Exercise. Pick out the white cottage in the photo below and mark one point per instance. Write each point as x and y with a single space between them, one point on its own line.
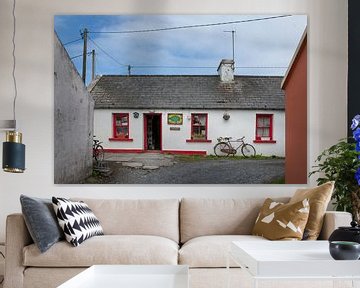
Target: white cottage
186 114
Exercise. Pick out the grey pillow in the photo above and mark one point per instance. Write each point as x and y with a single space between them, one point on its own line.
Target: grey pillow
41 221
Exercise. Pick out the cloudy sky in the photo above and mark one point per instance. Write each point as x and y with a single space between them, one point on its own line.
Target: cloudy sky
261 45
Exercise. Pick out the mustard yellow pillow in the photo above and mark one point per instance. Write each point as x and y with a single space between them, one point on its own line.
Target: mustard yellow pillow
279 221
319 198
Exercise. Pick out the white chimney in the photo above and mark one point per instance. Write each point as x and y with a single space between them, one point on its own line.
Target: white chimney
226 70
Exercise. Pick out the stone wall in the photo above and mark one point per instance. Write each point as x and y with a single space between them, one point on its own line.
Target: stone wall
73 121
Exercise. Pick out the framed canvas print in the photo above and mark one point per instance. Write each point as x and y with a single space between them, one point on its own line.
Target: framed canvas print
180 99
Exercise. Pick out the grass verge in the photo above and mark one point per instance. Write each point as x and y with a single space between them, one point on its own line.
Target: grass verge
190 158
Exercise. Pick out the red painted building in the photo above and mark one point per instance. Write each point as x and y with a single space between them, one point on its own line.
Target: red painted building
295 87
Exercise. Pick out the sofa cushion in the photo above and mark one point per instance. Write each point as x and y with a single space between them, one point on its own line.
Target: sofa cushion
201 217
319 198
158 217
279 221
41 221
211 251
107 249
77 220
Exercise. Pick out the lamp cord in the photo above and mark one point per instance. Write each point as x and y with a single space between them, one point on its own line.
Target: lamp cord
2 280
14 60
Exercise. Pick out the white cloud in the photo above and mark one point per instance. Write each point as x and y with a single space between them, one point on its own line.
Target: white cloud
262 43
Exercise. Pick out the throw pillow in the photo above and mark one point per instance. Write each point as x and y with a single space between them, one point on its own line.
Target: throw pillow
41 221
319 198
279 221
77 220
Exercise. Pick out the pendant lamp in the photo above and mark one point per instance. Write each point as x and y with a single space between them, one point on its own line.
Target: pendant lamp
13 149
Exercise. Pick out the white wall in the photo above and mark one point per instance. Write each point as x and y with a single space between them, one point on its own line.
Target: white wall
103 129
327 92
241 123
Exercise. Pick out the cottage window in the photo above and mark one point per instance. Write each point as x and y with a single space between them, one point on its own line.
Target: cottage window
121 126
199 124
264 128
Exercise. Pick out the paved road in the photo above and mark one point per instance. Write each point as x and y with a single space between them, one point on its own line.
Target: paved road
200 171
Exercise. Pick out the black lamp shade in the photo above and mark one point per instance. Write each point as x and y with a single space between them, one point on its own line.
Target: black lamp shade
13 157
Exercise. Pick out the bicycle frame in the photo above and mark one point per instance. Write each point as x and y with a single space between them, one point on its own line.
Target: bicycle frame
235 141
229 141
225 147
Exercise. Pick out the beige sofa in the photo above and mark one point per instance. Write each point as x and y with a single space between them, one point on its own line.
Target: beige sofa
194 232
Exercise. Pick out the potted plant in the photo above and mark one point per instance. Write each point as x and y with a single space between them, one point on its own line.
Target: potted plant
341 163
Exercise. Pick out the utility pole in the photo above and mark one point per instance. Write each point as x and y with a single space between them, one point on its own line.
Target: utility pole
84 36
233 43
93 65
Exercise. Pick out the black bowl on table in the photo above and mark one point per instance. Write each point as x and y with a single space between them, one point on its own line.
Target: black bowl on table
344 250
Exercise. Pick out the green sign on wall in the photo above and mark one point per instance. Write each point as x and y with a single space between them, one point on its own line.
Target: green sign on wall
175 119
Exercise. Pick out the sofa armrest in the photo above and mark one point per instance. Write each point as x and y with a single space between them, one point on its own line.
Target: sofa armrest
333 220
17 237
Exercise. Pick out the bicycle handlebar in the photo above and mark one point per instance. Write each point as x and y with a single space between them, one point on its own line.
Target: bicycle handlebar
96 141
229 138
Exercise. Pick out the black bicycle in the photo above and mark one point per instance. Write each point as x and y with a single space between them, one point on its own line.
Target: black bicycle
98 150
225 148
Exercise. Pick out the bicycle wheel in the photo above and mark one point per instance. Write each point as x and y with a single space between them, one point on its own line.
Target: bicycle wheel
222 149
248 150
99 153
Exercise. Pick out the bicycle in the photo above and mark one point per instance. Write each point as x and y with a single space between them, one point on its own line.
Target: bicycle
98 150
225 148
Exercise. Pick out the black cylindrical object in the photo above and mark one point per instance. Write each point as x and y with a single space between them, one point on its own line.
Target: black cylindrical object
13 153
344 250
344 233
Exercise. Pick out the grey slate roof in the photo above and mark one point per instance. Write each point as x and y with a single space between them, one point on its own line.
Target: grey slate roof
184 92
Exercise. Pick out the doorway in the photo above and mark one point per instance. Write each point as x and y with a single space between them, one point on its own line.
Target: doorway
152 132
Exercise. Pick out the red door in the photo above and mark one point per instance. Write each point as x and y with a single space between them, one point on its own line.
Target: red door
152 132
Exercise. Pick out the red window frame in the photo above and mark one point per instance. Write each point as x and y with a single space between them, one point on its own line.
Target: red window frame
193 125
259 137
117 137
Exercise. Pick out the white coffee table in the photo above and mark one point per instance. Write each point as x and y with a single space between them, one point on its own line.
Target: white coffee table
297 260
131 276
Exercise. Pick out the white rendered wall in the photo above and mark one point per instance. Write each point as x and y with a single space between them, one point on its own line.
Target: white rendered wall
241 123
103 129
327 90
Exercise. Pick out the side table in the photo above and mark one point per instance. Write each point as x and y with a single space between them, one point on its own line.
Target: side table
294 264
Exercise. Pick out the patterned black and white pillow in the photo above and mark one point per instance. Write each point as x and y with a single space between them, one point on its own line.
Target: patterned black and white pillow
77 220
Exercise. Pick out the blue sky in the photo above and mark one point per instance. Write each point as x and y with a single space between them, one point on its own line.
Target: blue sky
258 44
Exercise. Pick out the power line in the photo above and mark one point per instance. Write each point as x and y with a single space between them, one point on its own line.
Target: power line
171 67
261 67
73 41
80 55
106 53
188 26
205 67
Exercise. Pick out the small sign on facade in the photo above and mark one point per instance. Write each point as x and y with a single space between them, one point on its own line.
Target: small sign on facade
174 128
